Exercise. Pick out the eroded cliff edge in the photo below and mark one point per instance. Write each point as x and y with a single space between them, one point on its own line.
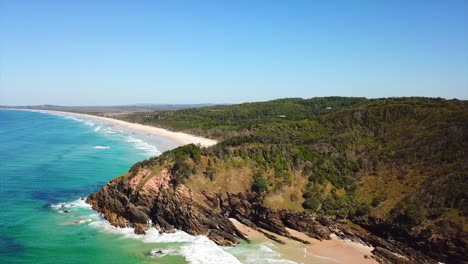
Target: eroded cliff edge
147 195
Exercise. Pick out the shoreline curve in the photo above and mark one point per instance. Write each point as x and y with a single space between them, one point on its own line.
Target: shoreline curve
180 138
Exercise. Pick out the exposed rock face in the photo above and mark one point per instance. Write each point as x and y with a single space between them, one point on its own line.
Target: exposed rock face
144 198
134 203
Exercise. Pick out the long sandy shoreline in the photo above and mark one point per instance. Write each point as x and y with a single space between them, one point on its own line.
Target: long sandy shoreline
178 137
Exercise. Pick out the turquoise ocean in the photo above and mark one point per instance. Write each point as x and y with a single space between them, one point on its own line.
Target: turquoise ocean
49 163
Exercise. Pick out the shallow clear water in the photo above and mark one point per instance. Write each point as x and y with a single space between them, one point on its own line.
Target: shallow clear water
48 162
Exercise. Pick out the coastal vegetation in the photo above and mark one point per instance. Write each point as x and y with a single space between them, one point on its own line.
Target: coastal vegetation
225 121
396 167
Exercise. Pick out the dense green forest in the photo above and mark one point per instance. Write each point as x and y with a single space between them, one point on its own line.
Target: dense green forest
395 166
225 121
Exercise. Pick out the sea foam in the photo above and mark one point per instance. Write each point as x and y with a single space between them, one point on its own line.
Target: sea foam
101 147
195 249
142 145
79 203
203 250
263 253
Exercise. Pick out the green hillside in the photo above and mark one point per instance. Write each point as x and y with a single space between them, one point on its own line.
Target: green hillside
396 166
225 121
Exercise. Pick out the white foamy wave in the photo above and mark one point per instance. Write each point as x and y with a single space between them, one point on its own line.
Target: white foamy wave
105 129
263 253
157 252
89 123
80 203
198 250
140 144
195 249
75 118
86 121
151 235
82 221
71 117
101 147
205 251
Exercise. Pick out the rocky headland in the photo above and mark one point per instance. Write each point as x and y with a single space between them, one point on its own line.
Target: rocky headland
388 173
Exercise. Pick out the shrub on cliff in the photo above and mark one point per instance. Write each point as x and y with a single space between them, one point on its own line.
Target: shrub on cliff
180 172
311 203
260 184
411 216
190 150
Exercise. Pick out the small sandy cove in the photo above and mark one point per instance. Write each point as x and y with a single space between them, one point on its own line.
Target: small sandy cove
331 251
178 137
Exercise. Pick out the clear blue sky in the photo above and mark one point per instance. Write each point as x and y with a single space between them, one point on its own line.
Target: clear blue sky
121 52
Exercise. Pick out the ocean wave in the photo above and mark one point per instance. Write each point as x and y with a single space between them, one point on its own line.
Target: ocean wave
86 121
205 251
264 253
89 123
71 117
152 235
101 147
142 145
79 203
105 129
197 249
157 252
109 131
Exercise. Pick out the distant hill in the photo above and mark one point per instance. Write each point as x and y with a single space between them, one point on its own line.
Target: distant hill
103 110
378 170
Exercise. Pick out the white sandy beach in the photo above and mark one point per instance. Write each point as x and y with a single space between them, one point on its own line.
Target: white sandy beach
178 137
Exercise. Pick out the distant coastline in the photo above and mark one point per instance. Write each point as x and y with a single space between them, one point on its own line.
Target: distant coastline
178 137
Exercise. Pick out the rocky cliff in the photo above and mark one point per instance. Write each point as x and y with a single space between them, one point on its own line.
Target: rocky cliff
145 198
